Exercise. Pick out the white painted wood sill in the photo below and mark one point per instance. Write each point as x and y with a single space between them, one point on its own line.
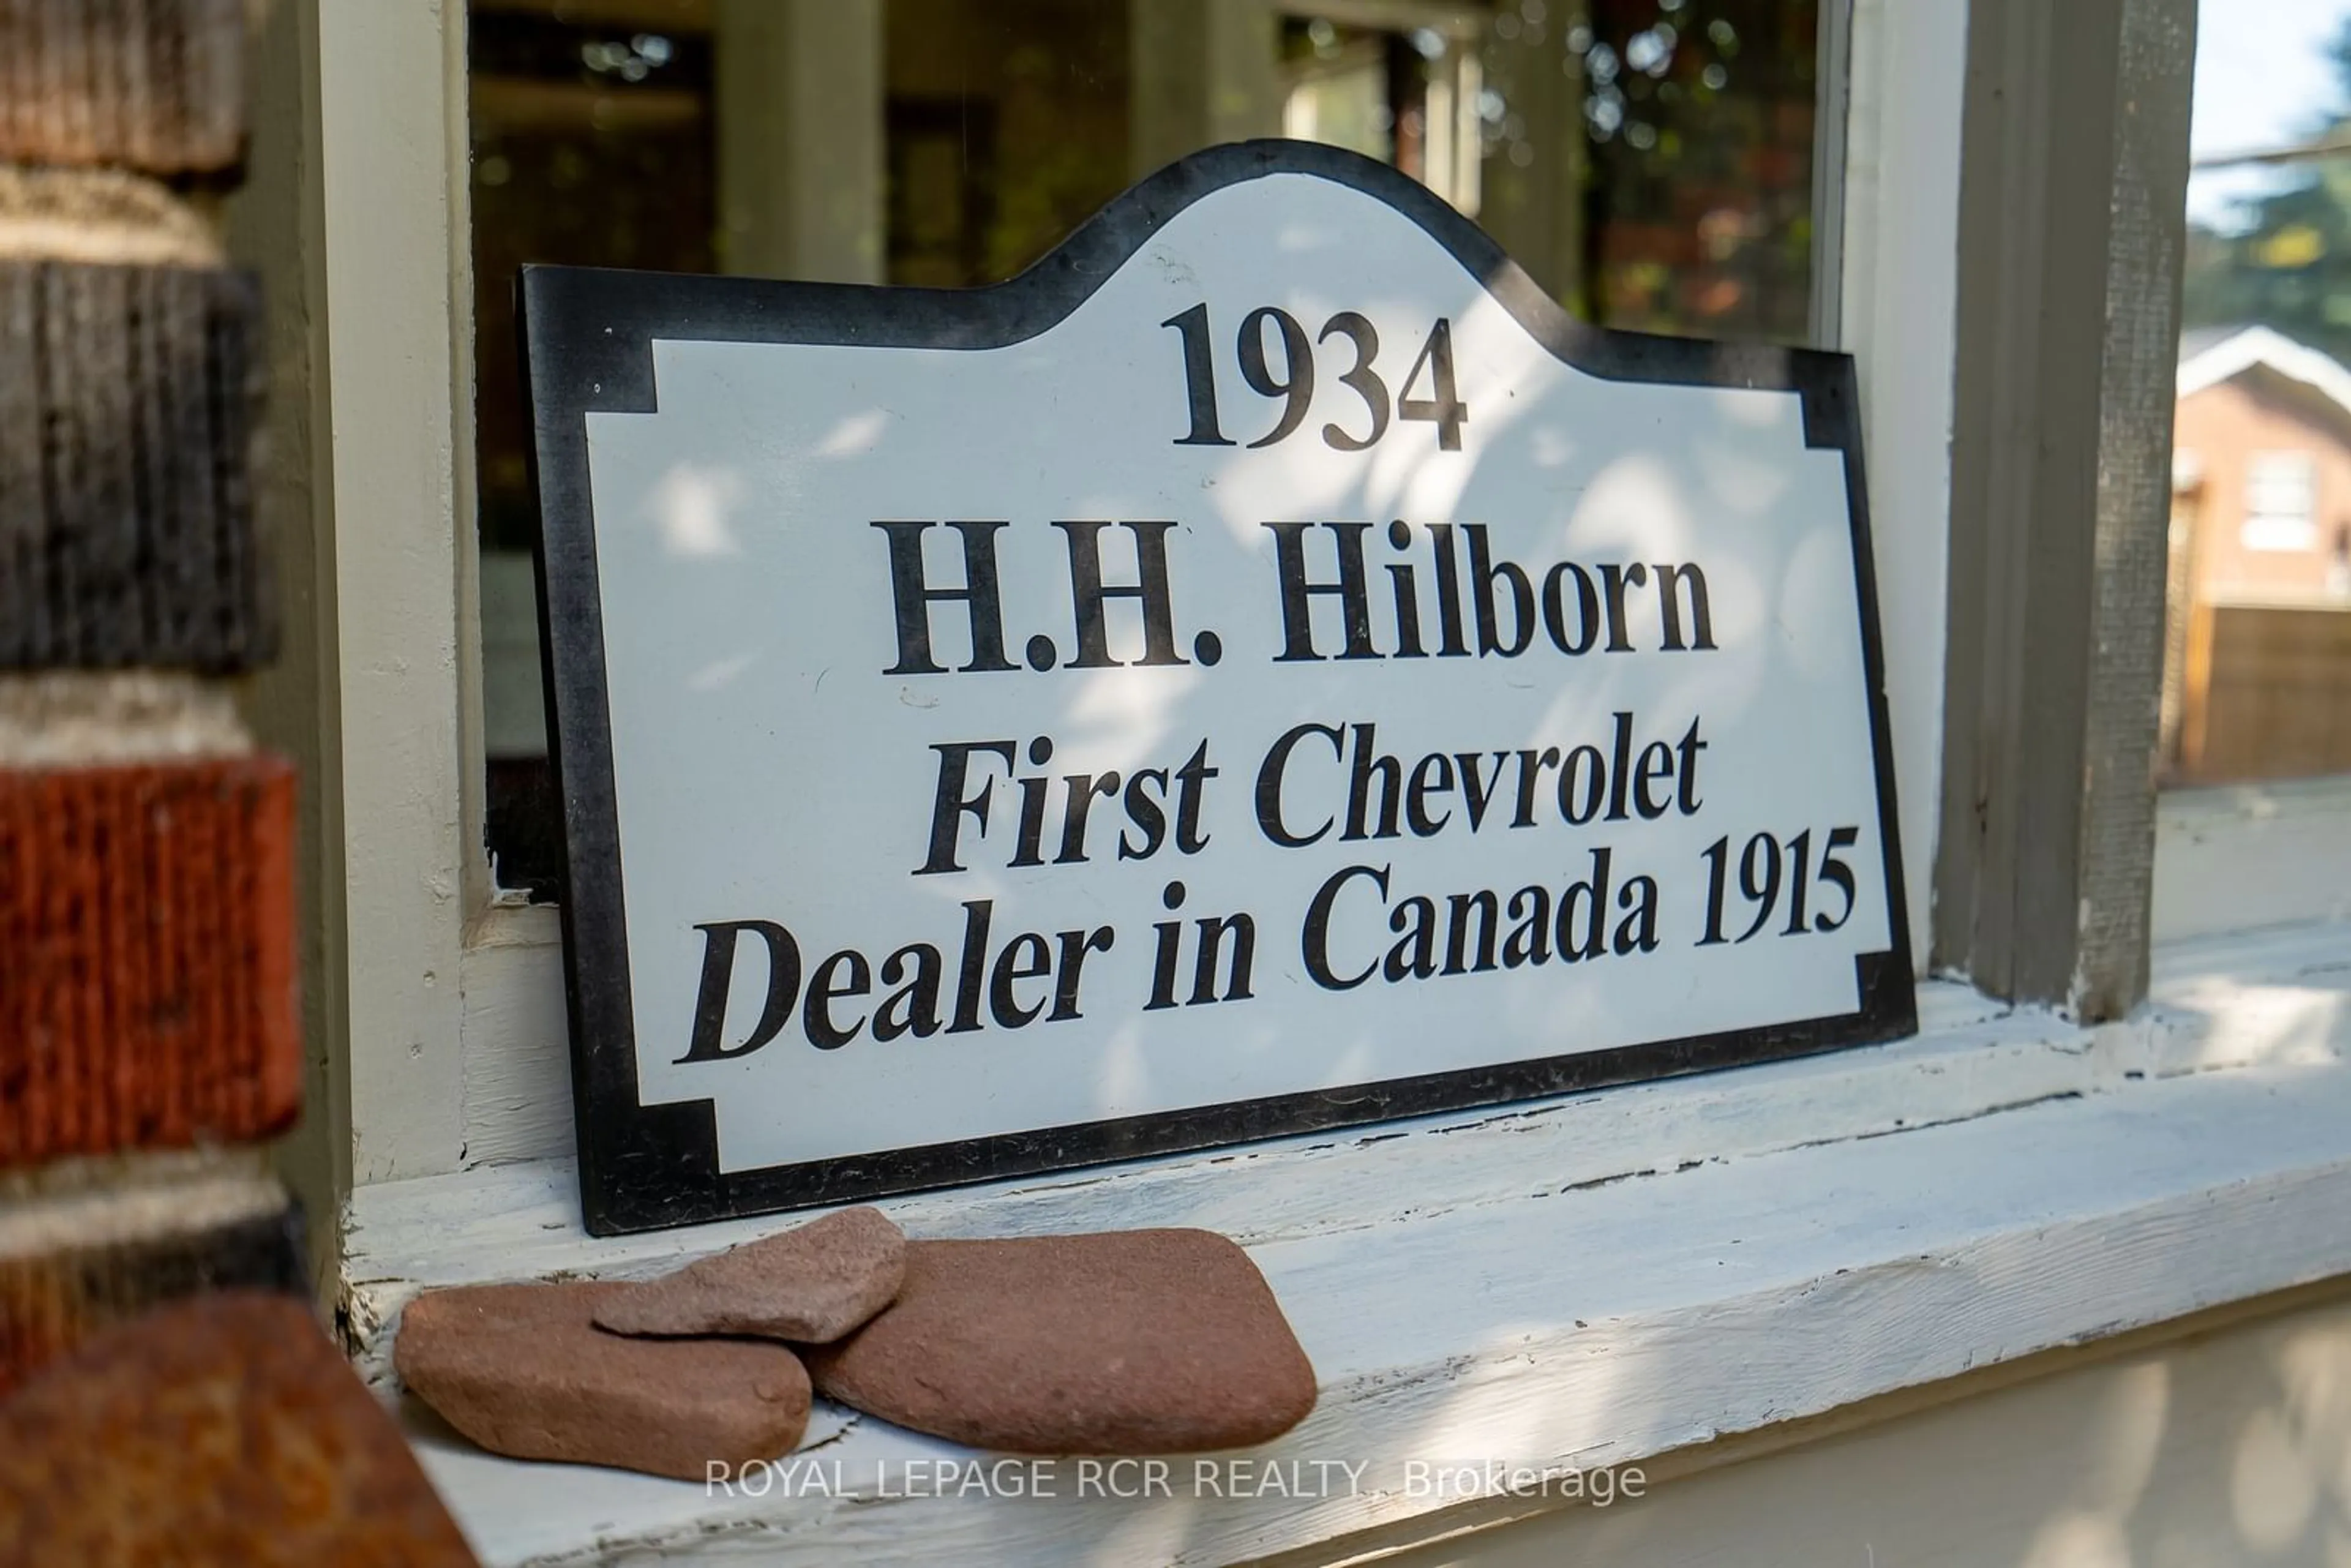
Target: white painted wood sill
1580 1282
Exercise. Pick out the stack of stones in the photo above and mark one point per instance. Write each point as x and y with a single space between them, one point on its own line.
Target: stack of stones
1119 1342
166 1391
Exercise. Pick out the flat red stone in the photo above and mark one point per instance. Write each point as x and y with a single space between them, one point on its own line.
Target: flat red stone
813 1283
524 1371
1134 1341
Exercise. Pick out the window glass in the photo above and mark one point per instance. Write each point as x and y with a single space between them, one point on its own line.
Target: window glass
1649 161
2257 681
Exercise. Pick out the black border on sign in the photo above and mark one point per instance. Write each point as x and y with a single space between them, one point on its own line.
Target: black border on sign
588 336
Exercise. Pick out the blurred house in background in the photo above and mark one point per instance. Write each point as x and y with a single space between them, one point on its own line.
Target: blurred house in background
2258 676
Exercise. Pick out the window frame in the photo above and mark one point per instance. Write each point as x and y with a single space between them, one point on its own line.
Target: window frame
2073 228
443 1028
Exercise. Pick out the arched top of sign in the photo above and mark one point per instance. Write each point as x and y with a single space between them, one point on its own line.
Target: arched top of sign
636 306
1266 667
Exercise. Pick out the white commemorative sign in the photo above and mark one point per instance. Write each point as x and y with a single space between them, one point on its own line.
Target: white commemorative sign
1264 668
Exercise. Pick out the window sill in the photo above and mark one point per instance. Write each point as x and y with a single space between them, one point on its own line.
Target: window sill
2230 856
1588 1281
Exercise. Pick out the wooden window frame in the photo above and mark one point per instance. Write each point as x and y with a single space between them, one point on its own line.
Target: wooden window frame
2073 222
436 1001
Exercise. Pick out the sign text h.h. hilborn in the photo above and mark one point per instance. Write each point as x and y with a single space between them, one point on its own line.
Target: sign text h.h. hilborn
1263 668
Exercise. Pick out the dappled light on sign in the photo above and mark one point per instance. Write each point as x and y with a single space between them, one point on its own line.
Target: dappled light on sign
692 506
855 436
1210 688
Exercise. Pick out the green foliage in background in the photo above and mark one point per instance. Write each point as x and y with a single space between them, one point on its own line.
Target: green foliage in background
2291 268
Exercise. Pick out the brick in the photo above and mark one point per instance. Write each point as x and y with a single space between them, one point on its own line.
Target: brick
73 1264
152 84
147 991
222 1429
129 398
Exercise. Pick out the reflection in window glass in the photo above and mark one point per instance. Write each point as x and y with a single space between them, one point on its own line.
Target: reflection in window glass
2257 675
2279 496
1649 161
